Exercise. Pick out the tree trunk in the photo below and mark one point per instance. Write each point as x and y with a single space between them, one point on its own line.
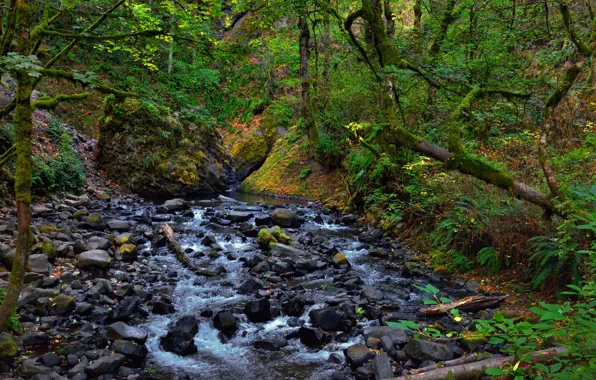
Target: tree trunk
465 304
313 133
23 125
417 18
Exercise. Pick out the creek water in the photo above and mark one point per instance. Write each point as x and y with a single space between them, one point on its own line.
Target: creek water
235 357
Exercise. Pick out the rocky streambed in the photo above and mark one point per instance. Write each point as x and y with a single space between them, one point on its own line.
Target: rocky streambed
105 297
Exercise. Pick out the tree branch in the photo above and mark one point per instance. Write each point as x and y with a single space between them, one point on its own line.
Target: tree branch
47 102
112 37
94 85
582 48
8 154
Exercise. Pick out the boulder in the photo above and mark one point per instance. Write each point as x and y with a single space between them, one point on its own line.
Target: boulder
370 293
312 337
8 347
94 259
118 225
398 336
39 264
180 336
137 352
126 308
239 216
423 350
128 252
294 307
250 286
93 222
329 318
225 322
62 305
177 204
120 330
258 311
284 218
382 367
358 354
105 365
340 259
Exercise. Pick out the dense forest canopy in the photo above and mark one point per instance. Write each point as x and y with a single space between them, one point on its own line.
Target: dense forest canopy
464 128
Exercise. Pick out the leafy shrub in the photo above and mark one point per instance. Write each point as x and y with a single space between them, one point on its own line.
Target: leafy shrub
305 172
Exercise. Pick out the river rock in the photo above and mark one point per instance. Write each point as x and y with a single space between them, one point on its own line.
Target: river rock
177 204
238 216
93 222
31 367
397 336
312 337
120 330
370 293
294 307
382 367
50 359
180 337
358 354
118 225
39 264
105 365
262 220
96 258
284 218
225 322
62 305
329 318
423 350
371 236
250 286
126 308
8 347
258 311
269 344
137 352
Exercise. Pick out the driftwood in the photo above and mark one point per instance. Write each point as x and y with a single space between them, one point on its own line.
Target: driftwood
175 247
465 304
475 369
450 363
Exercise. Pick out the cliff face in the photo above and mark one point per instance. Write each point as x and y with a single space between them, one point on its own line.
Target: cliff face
151 152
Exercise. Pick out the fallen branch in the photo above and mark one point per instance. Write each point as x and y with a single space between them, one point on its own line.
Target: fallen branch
475 357
175 247
465 304
475 369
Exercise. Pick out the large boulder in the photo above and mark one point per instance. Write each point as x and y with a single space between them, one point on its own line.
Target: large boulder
150 151
329 318
225 322
312 337
423 350
120 330
94 259
284 218
258 311
39 264
180 336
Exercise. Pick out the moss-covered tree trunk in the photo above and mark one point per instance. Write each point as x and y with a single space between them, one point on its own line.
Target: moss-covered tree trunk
23 125
307 117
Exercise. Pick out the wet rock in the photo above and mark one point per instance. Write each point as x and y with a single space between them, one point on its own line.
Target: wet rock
180 336
258 311
39 264
250 286
363 373
93 222
262 267
294 307
34 339
382 367
105 365
38 210
262 220
127 252
398 336
118 225
373 343
370 293
50 359
329 318
348 219
162 308
8 347
31 367
137 352
62 305
94 259
239 216
269 344
174 205
225 322
120 330
387 345
287 251
125 308
312 337
358 354
423 350
340 259
284 218
370 236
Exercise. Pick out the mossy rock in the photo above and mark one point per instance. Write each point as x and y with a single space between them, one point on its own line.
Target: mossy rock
128 251
123 239
47 229
340 259
48 249
62 305
8 347
268 237
80 214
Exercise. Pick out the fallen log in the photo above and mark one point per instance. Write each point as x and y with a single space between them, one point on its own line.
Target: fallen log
175 247
450 363
476 369
473 303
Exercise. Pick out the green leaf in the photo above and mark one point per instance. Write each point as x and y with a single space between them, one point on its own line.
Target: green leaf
495 371
541 367
556 367
495 340
428 301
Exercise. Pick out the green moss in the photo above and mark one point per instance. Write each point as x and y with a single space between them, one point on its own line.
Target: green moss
469 164
266 239
48 249
340 259
8 347
128 250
